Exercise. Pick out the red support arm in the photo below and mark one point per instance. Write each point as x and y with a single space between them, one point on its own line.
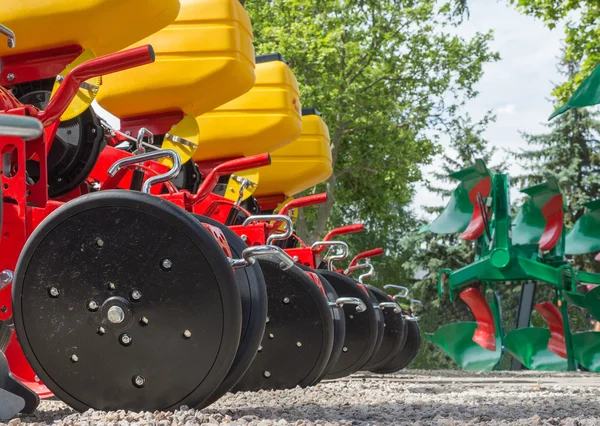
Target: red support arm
365 255
342 230
311 200
93 68
224 169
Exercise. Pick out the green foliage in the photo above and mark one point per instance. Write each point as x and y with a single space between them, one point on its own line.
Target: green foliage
388 76
582 32
429 253
571 152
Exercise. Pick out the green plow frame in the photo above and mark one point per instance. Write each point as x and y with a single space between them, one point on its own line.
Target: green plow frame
529 249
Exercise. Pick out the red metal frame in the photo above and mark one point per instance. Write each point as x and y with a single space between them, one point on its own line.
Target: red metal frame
39 65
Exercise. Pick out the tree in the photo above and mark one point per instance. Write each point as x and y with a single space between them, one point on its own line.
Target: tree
571 152
429 253
387 76
582 31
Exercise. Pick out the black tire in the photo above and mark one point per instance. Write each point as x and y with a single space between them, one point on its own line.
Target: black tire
253 293
339 324
361 328
182 327
408 352
394 334
299 334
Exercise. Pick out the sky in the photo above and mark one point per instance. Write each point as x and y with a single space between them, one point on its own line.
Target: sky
517 88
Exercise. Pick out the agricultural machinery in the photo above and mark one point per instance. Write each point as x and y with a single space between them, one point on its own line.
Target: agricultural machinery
526 250
154 264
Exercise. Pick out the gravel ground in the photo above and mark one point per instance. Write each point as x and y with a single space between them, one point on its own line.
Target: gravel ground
413 397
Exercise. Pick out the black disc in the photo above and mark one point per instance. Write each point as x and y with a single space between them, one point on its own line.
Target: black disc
393 334
339 323
253 293
75 148
361 327
380 323
123 300
408 353
298 338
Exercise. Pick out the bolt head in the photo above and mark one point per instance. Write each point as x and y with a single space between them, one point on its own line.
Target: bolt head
136 295
286 300
187 334
144 321
296 258
6 277
10 77
115 314
139 381
271 336
126 339
267 320
267 374
112 286
344 349
101 331
54 292
74 358
167 264
299 344
260 348
99 242
244 237
92 306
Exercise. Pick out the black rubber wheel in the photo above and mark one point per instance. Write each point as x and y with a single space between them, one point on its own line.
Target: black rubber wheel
339 323
380 323
408 352
253 293
393 334
361 327
123 300
299 334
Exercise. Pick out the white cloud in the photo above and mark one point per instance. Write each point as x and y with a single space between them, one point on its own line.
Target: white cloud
508 109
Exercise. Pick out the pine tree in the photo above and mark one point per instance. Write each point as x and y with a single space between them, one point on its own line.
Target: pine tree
429 253
571 152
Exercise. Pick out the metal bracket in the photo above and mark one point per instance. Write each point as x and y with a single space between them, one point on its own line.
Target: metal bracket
10 35
250 255
181 141
289 228
136 159
402 295
340 302
331 244
26 128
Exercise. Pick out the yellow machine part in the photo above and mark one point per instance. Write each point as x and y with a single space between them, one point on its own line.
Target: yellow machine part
264 119
203 60
86 94
105 26
183 139
235 185
301 164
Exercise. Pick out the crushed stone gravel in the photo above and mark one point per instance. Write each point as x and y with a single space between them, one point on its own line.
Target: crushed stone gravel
408 398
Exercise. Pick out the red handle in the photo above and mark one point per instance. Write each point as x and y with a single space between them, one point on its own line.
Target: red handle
342 230
365 255
311 200
93 68
225 169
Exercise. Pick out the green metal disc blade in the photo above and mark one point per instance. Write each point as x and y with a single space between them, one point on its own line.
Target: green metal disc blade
586 347
456 340
530 347
574 298
584 236
592 302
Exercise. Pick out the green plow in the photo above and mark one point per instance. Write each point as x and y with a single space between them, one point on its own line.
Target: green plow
529 249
